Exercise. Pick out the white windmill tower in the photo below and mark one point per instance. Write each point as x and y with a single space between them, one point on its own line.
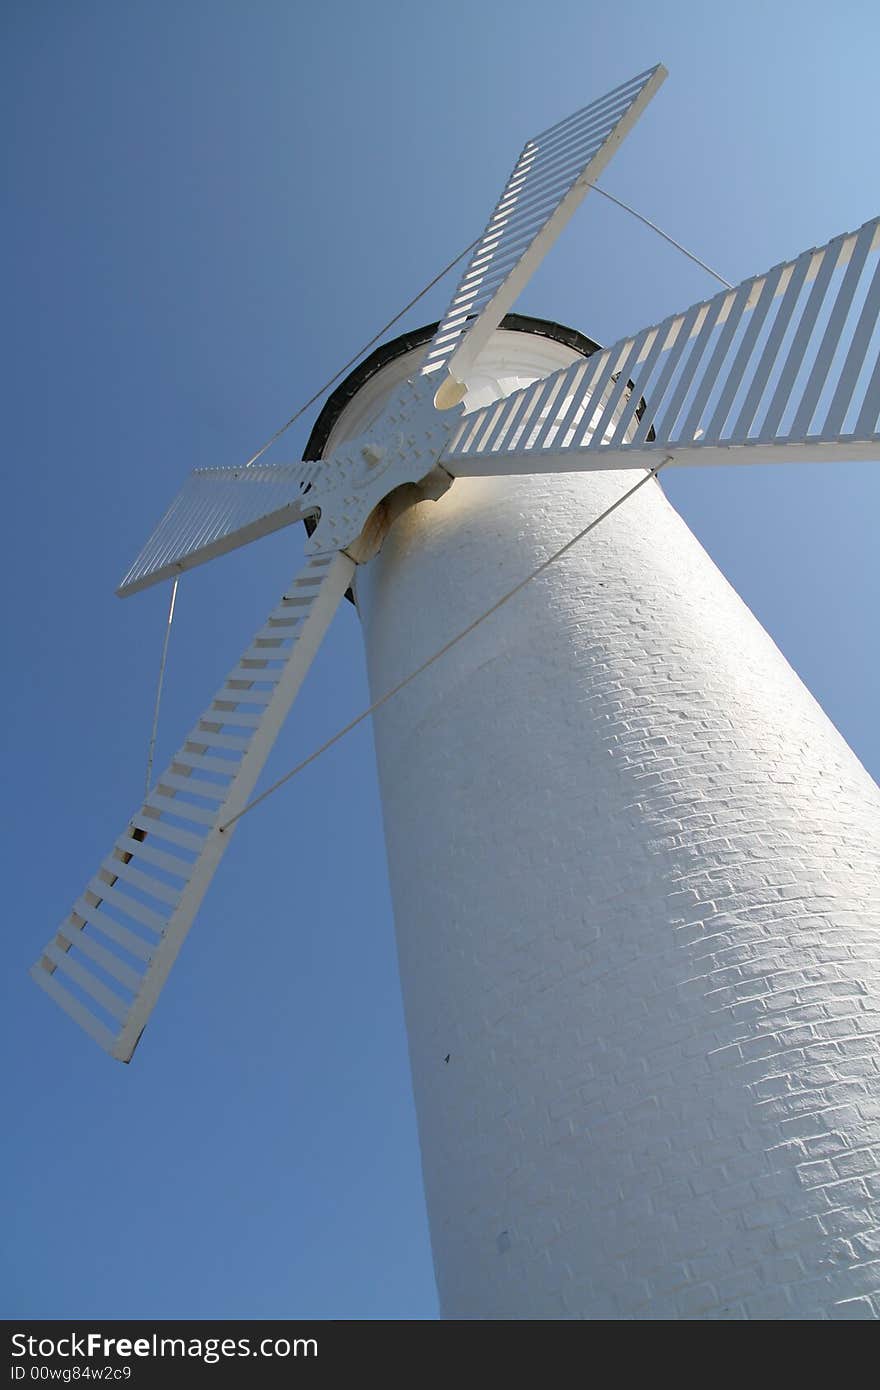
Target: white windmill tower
634 867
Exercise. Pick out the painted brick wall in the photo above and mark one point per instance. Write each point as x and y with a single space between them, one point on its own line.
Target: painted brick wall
636 883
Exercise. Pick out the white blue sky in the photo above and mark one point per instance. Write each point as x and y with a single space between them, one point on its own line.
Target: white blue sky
210 205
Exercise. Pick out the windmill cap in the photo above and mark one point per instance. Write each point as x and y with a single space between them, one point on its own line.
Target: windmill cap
407 343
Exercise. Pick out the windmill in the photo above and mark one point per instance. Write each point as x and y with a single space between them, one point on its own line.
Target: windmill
635 887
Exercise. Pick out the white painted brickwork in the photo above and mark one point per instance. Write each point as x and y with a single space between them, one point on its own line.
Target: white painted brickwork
636 881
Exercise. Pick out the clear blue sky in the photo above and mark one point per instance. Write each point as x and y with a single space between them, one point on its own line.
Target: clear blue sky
211 204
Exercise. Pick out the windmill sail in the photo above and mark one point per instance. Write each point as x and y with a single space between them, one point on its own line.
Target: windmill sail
217 510
785 366
111 955
549 181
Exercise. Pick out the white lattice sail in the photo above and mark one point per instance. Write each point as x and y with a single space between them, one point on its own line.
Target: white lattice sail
785 366
549 181
111 955
217 510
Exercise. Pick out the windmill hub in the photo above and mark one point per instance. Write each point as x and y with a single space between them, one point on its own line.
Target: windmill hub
400 447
